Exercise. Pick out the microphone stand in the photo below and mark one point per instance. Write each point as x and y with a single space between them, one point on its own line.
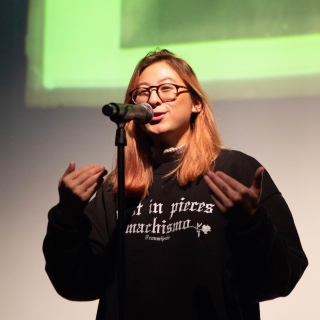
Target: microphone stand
120 114
121 142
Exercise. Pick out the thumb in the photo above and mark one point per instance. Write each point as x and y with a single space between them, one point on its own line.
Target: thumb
71 168
257 180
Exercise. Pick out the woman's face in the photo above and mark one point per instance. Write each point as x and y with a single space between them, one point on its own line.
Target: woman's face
171 122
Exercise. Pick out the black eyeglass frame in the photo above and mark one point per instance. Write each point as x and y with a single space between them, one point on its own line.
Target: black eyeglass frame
157 89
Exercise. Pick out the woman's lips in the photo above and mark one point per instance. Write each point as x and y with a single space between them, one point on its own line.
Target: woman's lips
157 116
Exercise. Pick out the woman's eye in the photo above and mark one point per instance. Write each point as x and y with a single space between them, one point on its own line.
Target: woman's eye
143 92
166 88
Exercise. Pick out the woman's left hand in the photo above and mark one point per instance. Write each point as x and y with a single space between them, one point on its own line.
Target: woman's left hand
233 199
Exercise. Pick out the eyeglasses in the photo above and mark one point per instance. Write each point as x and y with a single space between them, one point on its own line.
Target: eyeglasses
167 92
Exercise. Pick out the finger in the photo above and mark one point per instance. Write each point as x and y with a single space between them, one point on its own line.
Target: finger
254 191
258 178
225 185
71 168
76 173
90 181
93 188
74 179
235 193
221 207
211 180
256 186
231 182
219 193
88 175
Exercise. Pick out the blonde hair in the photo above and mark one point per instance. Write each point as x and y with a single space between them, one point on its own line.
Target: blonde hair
204 143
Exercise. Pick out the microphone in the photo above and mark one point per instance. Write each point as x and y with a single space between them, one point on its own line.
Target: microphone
142 113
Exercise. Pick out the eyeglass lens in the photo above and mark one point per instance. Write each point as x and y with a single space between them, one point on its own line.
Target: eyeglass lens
166 92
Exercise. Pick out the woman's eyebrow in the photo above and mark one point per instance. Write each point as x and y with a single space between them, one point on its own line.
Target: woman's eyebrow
160 81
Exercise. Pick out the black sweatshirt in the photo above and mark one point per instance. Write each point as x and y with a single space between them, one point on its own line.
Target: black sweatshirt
183 259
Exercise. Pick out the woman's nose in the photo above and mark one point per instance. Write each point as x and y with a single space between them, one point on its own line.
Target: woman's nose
154 99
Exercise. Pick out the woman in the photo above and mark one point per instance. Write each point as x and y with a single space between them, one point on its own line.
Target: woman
206 238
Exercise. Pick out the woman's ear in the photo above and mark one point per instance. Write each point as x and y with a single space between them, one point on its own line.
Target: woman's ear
197 106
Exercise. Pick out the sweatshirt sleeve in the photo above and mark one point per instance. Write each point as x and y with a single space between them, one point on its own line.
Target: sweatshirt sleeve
268 257
267 254
79 255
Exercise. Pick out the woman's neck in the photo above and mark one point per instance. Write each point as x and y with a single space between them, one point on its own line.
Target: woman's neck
164 154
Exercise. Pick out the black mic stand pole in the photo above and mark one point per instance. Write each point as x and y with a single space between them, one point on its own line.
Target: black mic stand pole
120 118
121 142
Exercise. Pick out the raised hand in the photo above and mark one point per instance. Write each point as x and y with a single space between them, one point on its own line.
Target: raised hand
77 186
234 200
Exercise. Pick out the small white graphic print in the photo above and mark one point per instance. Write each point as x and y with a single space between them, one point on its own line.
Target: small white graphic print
205 228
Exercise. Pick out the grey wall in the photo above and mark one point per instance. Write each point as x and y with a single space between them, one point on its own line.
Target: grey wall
283 135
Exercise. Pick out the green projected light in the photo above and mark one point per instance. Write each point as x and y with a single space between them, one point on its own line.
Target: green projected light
78 55
165 21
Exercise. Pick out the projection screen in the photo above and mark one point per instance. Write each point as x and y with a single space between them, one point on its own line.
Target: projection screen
82 53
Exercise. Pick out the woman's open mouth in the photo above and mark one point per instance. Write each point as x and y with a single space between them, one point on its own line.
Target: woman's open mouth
157 116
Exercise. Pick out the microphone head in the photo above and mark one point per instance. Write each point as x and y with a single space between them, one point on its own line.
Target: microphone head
148 116
108 110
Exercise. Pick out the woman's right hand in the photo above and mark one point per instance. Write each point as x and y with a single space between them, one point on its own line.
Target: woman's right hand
76 187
